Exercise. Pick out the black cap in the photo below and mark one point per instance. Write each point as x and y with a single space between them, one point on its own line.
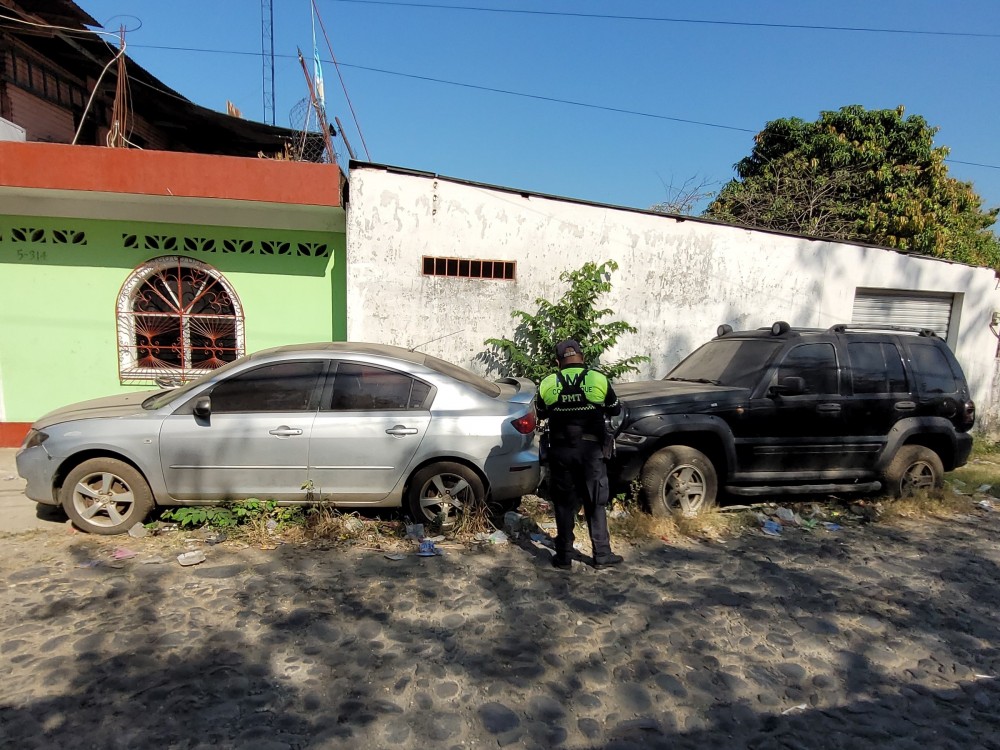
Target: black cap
568 348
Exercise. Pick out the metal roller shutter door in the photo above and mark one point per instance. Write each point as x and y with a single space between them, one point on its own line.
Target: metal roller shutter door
904 309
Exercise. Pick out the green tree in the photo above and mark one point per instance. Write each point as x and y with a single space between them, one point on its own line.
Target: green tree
531 352
860 175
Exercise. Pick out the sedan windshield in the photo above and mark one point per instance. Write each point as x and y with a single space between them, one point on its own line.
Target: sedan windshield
159 400
737 363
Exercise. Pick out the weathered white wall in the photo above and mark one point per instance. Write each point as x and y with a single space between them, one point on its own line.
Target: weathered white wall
677 279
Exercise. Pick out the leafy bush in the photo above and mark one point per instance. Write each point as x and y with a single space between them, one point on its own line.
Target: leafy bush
531 352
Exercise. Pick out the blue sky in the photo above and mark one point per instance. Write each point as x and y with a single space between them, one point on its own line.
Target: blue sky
716 73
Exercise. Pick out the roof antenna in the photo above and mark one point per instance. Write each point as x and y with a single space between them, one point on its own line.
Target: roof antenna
417 346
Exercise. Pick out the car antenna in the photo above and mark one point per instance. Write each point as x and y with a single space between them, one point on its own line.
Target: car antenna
417 346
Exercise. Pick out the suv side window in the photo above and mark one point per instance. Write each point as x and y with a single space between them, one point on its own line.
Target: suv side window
816 364
931 369
876 368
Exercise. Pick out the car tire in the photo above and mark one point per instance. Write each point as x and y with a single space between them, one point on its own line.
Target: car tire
440 492
679 481
106 496
912 469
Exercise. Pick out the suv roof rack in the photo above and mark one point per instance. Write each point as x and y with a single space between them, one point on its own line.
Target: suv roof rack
844 327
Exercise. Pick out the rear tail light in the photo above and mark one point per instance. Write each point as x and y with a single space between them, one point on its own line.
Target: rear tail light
526 424
969 414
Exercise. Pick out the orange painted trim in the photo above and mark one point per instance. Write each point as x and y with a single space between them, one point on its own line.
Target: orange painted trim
58 166
12 433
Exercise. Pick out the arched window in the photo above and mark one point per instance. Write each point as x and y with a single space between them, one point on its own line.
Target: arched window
178 318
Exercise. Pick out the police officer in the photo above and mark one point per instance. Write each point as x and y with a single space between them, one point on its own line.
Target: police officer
575 400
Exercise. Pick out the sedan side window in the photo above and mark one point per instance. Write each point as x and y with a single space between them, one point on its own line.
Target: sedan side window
365 388
284 387
816 364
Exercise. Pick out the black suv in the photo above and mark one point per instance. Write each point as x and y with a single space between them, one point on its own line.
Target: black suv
795 411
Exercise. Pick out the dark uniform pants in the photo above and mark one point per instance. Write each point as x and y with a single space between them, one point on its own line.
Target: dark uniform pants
579 476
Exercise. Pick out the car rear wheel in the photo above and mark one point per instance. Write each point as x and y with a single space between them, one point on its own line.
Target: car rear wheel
679 480
913 469
106 496
439 493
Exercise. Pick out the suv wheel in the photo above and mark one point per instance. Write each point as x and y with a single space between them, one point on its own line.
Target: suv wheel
679 480
913 468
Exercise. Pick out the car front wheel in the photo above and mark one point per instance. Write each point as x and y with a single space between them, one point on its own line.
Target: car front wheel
439 493
679 480
106 496
914 468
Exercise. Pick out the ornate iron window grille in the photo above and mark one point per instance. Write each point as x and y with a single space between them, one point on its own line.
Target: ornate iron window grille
178 318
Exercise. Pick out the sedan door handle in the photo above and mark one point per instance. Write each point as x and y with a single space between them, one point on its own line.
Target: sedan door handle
284 431
905 406
828 408
401 430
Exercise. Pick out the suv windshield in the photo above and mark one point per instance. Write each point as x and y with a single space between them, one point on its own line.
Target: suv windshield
736 362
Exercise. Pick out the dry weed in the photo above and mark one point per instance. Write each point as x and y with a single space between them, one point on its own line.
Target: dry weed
940 503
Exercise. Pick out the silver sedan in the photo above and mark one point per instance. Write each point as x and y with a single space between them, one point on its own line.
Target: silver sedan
356 425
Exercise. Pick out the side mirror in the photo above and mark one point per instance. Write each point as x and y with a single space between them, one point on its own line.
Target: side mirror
790 386
203 407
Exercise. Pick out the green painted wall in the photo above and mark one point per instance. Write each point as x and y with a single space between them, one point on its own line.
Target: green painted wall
60 279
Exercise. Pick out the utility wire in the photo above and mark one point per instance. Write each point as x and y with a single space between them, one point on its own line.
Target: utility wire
660 19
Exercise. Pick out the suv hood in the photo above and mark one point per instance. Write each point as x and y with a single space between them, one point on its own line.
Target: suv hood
123 405
664 396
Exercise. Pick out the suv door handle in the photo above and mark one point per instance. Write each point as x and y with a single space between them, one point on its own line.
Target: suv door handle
828 408
401 430
905 406
284 431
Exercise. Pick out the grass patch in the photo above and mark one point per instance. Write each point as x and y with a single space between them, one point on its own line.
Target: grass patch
941 503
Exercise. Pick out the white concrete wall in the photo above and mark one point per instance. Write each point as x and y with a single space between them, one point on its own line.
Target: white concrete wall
677 279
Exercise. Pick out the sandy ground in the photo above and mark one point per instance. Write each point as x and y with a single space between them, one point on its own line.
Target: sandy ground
871 635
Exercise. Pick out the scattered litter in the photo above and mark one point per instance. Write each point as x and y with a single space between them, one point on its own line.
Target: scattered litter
353 524
985 676
166 528
70 528
269 546
217 538
809 524
548 526
435 539
427 549
513 521
394 556
9 478
664 540
123 553
138 531
414 531
793 709
497 537
191 558
542 539
152 561
89 564
958 482
829 526
618 513
985 504
771 528
788 516
984 488
271 526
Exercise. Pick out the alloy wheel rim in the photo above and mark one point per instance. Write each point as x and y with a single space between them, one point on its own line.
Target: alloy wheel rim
918 476
684 490
103 499
443 497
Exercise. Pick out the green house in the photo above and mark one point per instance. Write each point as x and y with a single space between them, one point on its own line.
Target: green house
121 268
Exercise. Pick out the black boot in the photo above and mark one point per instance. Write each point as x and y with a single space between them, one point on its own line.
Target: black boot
606 561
